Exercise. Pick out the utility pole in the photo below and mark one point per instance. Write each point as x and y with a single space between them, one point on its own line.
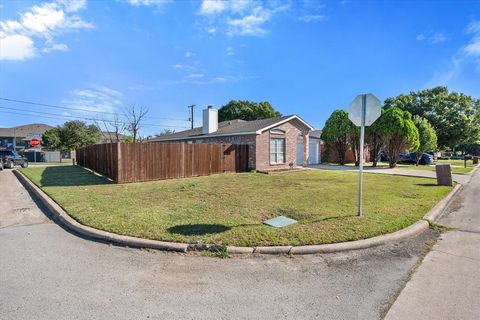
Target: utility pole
191 114
14 138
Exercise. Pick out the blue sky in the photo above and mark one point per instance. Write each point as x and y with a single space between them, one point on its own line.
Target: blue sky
304 57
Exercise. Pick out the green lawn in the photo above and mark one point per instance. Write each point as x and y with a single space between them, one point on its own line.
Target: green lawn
229 208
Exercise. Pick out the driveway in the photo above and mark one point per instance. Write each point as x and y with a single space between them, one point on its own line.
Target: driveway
49 273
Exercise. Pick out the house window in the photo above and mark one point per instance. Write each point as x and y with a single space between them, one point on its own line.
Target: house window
277 150
277 131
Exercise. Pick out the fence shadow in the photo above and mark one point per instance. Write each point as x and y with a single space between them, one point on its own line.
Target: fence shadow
70 176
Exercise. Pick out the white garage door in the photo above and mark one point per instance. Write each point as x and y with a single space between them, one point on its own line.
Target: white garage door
313 153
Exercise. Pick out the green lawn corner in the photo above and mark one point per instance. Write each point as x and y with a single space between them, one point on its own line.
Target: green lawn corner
229 208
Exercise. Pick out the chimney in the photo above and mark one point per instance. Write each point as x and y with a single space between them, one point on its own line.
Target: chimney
210 120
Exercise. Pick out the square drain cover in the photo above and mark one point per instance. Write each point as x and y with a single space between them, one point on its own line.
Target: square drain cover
279 222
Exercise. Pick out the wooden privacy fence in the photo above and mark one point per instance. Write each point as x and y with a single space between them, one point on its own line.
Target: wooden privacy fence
134 162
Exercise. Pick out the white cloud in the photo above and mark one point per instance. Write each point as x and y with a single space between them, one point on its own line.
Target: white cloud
230 51
157 3
312 18
195 75
251 24
211 30
438 38
240 17
95 99
56 47
41 23
465 61
213 6
178 66
188 54
73 5
472 49
434 38
16 47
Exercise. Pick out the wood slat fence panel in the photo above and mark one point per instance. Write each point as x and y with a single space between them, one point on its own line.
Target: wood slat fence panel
135 162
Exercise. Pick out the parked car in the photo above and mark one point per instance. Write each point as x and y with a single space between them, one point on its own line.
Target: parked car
411 158
11 158
434 155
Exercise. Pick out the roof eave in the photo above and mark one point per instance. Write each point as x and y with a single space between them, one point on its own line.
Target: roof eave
204 136
283 121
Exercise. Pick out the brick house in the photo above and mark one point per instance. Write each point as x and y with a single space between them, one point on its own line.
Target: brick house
274 143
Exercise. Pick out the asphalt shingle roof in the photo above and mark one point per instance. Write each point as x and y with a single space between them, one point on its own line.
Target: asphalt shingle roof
226 127
23 131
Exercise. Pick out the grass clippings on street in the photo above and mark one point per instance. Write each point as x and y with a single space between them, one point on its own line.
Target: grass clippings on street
229 209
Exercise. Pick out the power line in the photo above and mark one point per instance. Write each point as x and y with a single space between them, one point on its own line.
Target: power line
64 117
78 109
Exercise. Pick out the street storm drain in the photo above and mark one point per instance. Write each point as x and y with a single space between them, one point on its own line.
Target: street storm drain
279 222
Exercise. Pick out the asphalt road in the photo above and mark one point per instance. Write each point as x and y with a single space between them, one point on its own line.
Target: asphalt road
49 273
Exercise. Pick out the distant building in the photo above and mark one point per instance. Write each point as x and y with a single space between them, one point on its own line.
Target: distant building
19 137
111 137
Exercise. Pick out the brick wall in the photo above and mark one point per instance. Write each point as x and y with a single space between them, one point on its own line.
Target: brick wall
293 130
259 145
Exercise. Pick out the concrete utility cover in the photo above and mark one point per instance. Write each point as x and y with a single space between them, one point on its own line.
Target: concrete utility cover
373 110
279 222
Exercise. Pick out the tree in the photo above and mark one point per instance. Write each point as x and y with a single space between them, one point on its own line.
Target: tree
246 110
337 131
114 128
399 133
354 141
454 116
51 139
135 116
374 140
77 134
71 135
165 132
427 136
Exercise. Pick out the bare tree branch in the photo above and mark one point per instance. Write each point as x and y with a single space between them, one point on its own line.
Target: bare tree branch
135 115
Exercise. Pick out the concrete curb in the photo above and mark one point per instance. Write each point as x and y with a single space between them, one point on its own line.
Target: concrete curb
65 220
60 216
435 213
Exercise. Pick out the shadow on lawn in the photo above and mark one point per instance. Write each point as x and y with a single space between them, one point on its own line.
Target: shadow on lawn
426 184
70 176
198 229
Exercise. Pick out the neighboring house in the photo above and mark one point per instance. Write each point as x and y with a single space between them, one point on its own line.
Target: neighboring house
19 137
274 143
111 137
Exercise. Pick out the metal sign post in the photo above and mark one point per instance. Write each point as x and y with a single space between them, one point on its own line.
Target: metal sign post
360 162
364 110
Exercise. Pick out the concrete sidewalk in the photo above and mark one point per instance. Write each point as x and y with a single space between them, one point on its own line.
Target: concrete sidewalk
447 283
460 178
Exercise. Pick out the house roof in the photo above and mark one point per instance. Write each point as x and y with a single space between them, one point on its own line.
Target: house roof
316 134
23 131
110 136
233 127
